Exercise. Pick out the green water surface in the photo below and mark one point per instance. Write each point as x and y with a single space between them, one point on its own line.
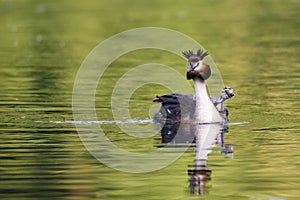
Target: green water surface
255 45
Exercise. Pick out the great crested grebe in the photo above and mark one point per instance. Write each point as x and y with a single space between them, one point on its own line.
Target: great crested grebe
200 108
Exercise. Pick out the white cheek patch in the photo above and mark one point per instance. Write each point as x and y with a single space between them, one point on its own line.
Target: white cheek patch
198 68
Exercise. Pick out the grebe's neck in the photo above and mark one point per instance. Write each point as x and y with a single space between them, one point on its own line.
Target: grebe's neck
205 111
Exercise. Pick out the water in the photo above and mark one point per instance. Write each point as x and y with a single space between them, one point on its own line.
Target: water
255 46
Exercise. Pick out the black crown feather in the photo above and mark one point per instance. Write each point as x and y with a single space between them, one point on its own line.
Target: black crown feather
200 53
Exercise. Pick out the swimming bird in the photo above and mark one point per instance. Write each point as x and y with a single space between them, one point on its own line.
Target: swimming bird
198 108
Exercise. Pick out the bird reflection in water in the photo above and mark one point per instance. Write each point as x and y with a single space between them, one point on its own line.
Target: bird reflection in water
203 138
207 136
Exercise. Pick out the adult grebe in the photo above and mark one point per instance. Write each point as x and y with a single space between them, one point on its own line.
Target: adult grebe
199 108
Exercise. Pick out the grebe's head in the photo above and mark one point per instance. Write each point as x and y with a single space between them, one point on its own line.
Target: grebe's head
197 67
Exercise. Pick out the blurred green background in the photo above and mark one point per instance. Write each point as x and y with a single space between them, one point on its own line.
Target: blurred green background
255 45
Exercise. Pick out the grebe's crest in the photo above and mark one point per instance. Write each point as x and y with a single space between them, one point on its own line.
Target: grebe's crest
200 54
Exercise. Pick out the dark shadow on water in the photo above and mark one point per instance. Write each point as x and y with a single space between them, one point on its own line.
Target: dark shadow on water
203 139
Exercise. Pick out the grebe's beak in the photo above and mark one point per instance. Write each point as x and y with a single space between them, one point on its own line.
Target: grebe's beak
189 72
